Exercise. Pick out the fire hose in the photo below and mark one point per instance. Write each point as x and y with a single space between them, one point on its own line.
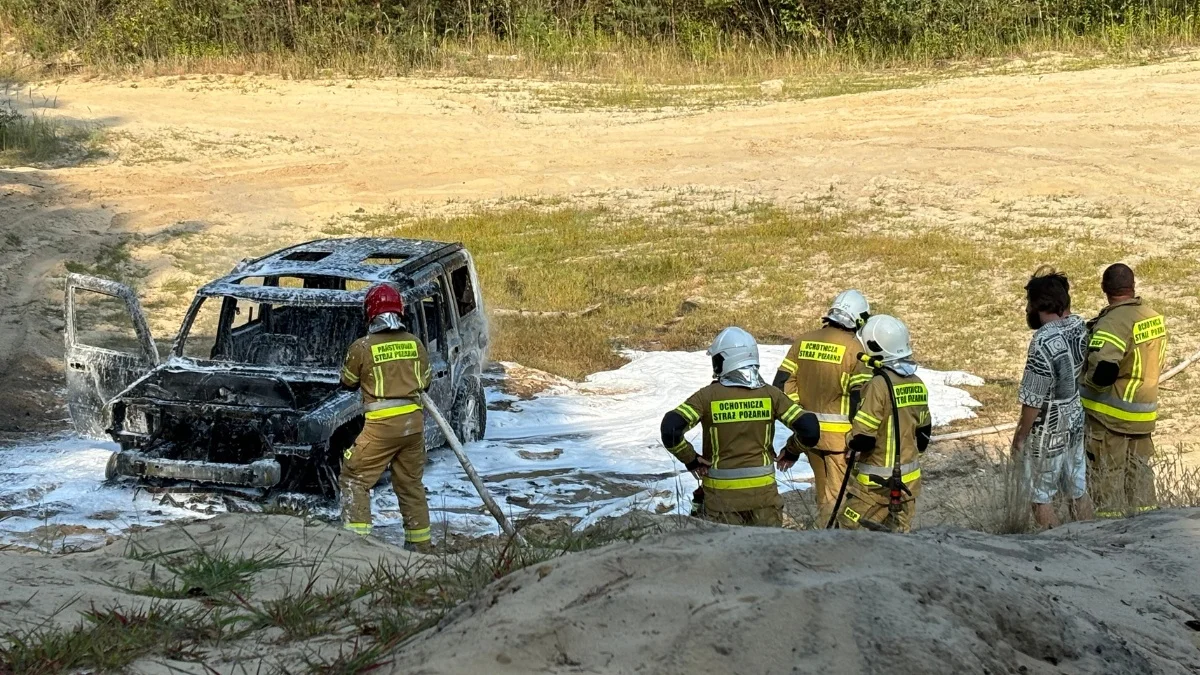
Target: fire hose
469 468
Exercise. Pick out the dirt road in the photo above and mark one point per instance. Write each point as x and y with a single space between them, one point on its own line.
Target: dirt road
235 154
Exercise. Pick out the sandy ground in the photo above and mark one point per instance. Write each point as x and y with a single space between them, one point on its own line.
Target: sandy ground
231 155
1118 597
1111 597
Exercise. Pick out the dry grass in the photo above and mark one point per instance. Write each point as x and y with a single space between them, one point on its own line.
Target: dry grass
669 270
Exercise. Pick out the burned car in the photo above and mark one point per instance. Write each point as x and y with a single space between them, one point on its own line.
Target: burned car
249 393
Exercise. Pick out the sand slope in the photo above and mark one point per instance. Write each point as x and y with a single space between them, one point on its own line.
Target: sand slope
35 588
1108 597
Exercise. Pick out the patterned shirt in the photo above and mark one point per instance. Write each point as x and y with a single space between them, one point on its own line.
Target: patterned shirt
1057 354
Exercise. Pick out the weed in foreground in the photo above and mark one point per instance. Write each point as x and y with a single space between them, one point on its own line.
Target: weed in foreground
201 573
994 499
111 638
1176 481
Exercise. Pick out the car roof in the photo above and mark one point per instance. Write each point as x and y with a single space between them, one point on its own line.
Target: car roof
367 259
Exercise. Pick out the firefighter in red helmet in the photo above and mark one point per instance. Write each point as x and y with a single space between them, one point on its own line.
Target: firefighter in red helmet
391 368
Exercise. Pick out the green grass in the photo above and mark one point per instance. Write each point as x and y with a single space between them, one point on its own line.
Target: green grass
201 573
670 277
112 261
110 639
38 139
651 42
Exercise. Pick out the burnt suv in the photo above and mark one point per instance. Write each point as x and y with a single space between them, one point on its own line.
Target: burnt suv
249 393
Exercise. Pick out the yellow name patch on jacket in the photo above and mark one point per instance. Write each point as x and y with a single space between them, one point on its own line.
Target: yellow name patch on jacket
911 394
821 351
741 410
1150 329
394 351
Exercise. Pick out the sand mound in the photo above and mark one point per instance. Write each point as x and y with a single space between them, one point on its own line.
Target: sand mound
1112 597
35 587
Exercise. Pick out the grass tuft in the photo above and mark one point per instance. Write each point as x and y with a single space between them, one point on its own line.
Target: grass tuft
110 639
201 573
38 139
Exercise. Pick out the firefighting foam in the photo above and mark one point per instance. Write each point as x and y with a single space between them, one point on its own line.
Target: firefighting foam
585 450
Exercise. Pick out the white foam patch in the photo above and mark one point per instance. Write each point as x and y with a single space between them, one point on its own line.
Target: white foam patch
585 450
54 497
597 444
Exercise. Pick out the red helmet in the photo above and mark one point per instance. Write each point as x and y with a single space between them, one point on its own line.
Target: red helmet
381 299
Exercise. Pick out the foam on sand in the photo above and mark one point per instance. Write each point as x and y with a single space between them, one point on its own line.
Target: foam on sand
584 450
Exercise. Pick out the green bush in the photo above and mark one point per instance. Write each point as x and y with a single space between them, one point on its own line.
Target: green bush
411 32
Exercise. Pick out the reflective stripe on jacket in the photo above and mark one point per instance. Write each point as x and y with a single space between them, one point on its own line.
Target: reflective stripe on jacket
823 369
738 432
391 369
1134 336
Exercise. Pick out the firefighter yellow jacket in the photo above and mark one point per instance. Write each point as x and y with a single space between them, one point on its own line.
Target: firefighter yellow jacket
823 370
1133 336
738 438
392 369
874 419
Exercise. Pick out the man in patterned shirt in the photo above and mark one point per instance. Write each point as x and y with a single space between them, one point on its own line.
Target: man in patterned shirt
1049 436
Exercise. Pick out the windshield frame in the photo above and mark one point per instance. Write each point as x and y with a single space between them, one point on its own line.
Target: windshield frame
290 297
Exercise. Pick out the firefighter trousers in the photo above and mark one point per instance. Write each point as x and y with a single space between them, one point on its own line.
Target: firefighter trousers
863 512
829 468
768 516
381 444
1120 477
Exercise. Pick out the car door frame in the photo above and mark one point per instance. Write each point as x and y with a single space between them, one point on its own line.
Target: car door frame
96 375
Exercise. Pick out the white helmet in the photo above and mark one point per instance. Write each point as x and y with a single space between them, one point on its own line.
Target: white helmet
849 310
732 349
887 337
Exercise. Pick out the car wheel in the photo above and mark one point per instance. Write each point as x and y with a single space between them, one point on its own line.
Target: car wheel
470 411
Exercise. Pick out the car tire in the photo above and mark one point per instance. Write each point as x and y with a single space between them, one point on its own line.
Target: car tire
110 469
469 418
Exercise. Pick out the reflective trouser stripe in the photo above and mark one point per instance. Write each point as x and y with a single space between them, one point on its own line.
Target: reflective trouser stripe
865 472
417 536
392 412
358 528
739 483
748 472
1119 414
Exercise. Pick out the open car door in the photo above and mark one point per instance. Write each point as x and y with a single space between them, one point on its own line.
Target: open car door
108 347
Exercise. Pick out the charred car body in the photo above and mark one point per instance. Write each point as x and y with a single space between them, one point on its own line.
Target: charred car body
249 394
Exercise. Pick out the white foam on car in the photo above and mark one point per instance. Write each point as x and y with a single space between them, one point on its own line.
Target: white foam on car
585 450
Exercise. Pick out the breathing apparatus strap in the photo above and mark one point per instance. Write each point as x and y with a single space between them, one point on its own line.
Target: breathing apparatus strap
894 483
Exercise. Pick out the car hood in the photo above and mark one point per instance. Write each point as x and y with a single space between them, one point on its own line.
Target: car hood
242 388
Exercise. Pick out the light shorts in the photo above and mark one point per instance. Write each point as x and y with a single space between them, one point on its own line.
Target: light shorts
1065 470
